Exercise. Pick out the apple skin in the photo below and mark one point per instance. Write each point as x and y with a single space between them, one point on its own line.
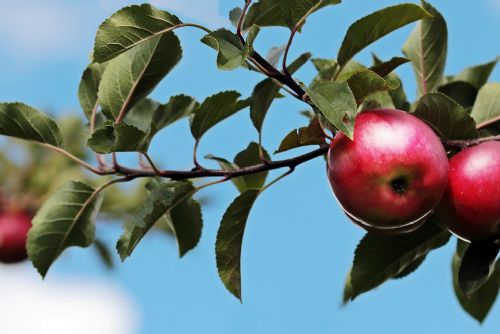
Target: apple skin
14 227
392 175
470 208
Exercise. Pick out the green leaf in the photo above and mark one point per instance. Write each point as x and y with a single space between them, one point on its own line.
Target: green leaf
186 222
335 101
381 257
264 13
249 157
131 76
309 135
24 122
239 182
119 137
383 69
89 86
327 70
460 91
104 253
426 48
162 198
477 266
274 55
366 82
229 241
266 91
411 268
486 109
231 51
378 100
129 27
66 219
213 110
446 117
294 11
178 107
375 26
477 75
479 303
234 16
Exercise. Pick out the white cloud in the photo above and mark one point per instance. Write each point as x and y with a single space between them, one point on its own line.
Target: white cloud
61 306
204 11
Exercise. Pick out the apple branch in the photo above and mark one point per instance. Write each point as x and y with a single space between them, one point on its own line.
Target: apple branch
461 144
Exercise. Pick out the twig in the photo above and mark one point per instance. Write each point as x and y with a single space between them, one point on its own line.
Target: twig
461 144
242 18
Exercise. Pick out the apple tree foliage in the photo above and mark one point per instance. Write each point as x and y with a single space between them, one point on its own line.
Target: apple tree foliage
137 47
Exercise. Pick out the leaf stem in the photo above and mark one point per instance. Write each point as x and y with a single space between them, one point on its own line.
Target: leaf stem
84 164
242 18
487 123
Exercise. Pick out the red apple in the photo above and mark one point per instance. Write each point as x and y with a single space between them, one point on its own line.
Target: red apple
14 227
392 175
471 204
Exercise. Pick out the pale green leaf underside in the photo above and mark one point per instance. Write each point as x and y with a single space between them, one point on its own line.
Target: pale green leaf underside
89 86
129 27
24 122
486 109
66 219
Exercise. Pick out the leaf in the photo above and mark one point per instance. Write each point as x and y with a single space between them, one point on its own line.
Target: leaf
214 109
119 137
479 303
88 88
375 26
460 91
381 257
104 253
231 51
367 82
178 107
131 76
234 16
24 122
486 109
249 157
335 101
274 55
383 69
411 268
294 11
264 13
426 48
477 75
378 100
186 222
478 264
129 27
310 135
266 91
230 238
239 182
327 70
162 198
66 219
445 116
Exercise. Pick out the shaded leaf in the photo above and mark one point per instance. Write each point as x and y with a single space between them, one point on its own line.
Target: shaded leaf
460 91
131 76
129 27
309 135
479 303
213 110
375 26
477 75
66 219
410 268
229 241
186 223
426 48
264 13
162 198
119 137
478 264
486 109
89 86
445 116
381 257
335 101
104 253
266 91
383 69
24 122
234 16
367 82
178 107
249 157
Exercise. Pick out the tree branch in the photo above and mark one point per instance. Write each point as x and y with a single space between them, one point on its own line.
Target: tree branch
461 144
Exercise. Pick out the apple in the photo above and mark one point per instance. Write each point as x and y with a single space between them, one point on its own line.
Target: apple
392 175
471 204
14 227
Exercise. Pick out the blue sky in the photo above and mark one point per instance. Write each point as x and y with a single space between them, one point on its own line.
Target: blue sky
298 246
